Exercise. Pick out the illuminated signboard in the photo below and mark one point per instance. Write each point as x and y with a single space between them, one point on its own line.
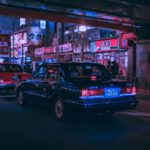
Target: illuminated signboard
125 38
108 44
22 21
16 39
65 47
92 47
35 36
77 48
4 44
51 49
42 24
39 52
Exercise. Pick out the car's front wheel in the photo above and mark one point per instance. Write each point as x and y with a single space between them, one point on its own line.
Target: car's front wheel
21 99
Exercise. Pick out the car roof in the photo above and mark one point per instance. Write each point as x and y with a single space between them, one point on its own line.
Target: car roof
74 63
8 63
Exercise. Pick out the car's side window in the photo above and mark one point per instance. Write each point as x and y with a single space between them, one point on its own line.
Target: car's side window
40 73
53 74
2 68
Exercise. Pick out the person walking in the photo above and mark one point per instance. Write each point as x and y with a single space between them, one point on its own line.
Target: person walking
109 66
114 68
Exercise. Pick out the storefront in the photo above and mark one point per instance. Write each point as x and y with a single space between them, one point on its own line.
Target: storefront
50 54
61 53
23 44
4 47
38 53
114 49
65 52
77 52
19 47
83 52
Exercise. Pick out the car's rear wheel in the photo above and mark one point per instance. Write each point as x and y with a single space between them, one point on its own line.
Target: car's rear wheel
59 109
21 99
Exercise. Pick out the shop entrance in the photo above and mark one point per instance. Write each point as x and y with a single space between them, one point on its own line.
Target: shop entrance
121 58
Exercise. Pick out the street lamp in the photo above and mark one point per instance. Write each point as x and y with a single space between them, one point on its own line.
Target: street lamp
82 28
22 42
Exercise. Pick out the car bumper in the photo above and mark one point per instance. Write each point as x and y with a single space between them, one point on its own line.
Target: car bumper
104 105
7 90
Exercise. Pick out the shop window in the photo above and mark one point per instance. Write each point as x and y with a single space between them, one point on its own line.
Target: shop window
53 74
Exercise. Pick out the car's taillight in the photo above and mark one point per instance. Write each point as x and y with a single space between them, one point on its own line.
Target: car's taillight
92 92
84 92
133 90
100 91
93 78
1 80
128 90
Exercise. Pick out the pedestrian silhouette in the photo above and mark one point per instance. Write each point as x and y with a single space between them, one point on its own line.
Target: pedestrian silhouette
114 68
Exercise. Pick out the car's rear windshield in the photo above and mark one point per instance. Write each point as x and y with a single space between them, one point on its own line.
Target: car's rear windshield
80 71
10 68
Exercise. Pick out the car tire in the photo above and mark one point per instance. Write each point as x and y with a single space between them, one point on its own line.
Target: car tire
59 109
21 99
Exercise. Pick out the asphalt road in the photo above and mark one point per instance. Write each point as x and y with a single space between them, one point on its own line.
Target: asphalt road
34 128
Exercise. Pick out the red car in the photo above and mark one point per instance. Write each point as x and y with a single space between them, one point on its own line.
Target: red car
10 75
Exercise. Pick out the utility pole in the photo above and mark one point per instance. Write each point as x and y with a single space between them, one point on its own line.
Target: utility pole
13 46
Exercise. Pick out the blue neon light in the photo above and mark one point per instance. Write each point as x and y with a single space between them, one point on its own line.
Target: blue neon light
102 96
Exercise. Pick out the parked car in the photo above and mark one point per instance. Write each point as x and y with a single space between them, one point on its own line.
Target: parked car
10 75
77 87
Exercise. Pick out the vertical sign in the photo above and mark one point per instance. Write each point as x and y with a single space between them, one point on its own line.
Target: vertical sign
35 36
22 21
42 24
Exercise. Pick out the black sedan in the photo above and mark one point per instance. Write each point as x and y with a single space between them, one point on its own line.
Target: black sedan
77 87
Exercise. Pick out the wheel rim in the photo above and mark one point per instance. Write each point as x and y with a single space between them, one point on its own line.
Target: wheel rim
20 98
59 109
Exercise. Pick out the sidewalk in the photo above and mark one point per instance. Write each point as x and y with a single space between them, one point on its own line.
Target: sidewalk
142 95
143 106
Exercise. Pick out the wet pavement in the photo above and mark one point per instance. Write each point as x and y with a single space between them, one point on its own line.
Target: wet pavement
34 127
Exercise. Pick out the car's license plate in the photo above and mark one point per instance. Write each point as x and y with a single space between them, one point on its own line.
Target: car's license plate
111 92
